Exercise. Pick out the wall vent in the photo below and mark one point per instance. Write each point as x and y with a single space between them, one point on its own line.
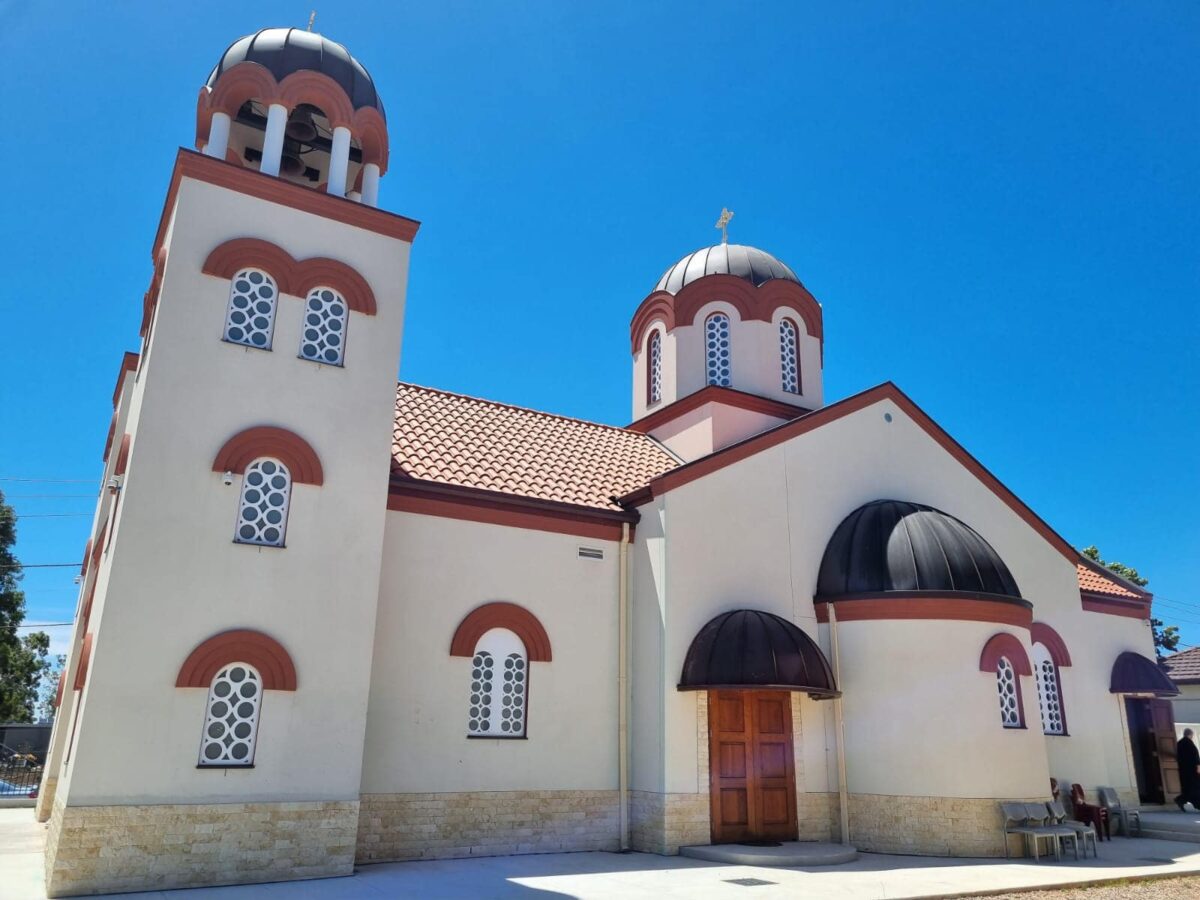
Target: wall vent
591 553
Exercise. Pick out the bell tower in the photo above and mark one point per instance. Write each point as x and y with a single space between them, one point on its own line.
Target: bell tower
728 344
221 657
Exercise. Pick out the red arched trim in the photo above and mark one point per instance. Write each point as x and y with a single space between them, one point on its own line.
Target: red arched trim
267 440
292 276
319 90
752 303
658 307
150 298
239 645
371 131
112 430
237 84
58 691
1041 633
123 455
1007 645
87 554
85 657
516 619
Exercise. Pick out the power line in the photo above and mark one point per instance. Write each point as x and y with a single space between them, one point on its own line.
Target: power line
50 480
49 496
39 565
46 625
53 515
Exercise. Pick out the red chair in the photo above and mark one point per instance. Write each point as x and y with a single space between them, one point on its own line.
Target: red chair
1096 816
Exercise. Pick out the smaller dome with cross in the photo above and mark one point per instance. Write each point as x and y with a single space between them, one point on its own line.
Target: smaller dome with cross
748 263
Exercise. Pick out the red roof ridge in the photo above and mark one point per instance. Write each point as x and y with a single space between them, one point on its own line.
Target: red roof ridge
525 409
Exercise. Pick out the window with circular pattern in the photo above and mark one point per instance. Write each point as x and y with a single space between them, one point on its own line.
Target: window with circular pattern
716 350
1049 691
789 357
654 379
262 513
231 717
1006 683
250 319
324 334
499 686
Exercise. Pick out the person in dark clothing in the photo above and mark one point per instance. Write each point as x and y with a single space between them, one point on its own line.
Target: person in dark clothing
1188 756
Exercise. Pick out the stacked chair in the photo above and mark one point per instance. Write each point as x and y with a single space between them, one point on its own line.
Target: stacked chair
1127 819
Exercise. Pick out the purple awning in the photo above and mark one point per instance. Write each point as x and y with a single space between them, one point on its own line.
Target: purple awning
1132 673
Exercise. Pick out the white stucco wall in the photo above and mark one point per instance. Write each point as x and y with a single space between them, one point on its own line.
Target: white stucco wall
752 535
174 577
1187 704
437 570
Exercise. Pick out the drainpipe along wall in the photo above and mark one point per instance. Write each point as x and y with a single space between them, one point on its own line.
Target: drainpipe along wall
623 687
839 727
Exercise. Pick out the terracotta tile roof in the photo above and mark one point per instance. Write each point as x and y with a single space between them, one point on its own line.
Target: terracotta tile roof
1185 666
1094 583
458 440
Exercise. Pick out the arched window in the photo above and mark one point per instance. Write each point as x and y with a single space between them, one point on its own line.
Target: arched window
324 336
262 513
250 319
231 717
716 350
499 686
654 367
789 356
1010 704
1049 690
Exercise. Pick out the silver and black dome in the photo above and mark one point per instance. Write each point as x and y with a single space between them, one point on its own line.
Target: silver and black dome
748 263
283 51
896 546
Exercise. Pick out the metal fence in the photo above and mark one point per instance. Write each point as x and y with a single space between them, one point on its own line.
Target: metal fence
22 757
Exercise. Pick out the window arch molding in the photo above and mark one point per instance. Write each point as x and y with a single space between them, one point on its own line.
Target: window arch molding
245 645
1007 645
292 276
509 616
279 443
1041 633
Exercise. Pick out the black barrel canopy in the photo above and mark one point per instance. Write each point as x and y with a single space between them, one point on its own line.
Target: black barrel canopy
748 648
1132 673
897 546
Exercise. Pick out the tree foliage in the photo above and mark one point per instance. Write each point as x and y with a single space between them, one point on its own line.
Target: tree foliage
23 661
1166 637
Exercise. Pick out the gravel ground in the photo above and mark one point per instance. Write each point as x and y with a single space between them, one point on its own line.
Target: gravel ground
1160 889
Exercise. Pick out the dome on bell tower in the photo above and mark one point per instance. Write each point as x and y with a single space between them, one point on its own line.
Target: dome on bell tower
282 51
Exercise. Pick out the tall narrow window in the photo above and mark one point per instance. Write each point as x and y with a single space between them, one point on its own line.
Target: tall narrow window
499 686
1049 691
250 318
231 717
789 357
262 514
324 334
654 367
716 350
1006 683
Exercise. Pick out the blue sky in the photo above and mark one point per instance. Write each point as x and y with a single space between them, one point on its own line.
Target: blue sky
997 205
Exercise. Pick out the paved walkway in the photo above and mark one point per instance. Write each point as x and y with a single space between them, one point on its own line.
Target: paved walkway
641 876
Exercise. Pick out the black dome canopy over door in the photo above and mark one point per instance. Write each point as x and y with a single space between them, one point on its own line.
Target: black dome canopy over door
748 648
1133 673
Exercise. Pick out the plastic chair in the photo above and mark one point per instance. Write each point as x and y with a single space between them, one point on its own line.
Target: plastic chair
1039 817
1084 833
1087 812
1127 819
1016 821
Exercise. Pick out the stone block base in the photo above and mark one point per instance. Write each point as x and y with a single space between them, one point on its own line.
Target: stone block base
662 823
485 823
45 800
930 826
100 849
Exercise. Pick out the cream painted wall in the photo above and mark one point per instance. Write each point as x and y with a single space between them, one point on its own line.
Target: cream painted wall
755 360
173 576
753 534
437 570
709 427
650 684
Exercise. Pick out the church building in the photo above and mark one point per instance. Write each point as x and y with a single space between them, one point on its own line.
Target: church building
326 619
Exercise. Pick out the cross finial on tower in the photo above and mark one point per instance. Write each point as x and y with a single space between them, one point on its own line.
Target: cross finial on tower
723 224
312 17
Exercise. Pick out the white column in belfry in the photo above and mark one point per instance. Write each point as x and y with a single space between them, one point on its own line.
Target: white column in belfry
339 161
272 150
218 136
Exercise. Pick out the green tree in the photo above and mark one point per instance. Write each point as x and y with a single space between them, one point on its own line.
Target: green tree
23 661
1166 637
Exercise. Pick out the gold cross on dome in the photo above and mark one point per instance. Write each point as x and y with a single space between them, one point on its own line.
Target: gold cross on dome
312 17
723 223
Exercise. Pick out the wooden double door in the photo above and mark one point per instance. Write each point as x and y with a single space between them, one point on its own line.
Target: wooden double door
1152 735
752 770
